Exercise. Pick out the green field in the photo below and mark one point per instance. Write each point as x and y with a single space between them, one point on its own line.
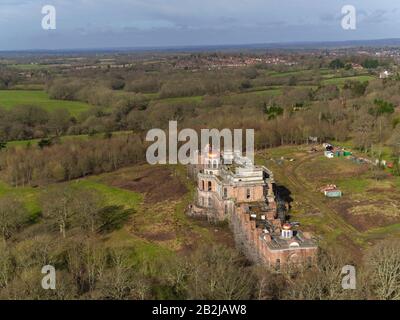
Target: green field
231 98
342 80
34 142
181 99
11 98
276 74
28 87
29 66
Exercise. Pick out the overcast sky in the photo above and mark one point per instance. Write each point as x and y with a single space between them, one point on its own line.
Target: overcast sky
137 23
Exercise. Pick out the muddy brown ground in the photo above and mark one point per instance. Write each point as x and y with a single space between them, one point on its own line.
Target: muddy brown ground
156 183
221 234
363 222
157 221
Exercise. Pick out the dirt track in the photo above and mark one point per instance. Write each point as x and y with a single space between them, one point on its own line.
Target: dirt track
335 220
306 190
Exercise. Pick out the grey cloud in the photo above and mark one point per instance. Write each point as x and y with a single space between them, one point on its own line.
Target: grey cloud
105 23
375 17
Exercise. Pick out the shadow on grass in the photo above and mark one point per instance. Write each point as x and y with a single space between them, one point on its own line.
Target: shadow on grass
283 193
114 217
284 200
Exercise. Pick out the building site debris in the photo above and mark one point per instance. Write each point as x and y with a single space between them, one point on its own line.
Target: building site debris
331 191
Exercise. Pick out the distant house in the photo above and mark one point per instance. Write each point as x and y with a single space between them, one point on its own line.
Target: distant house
331 191
357 66
385 74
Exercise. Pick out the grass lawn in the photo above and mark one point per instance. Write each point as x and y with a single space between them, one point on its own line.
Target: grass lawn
342 80
197 99
29 67
111 195
231 98
151 96
34 142
267 93
12 98
29 87
29 196
353 185
277 74
384 151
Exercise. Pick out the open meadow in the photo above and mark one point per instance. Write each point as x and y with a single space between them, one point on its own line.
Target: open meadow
12 98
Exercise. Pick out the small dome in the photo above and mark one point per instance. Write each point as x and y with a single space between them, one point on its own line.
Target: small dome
287 226
213 154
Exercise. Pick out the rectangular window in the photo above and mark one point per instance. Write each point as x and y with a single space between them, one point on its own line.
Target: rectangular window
225 192
248 195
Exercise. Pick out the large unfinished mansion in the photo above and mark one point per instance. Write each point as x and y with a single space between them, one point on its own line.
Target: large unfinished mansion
231 188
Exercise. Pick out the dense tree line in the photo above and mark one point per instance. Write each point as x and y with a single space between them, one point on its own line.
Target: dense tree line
134 99
362 111
29 122
70 159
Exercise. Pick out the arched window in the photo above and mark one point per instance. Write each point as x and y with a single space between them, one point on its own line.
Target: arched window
278 264
248 194
209 185
309 262
294 258
202 184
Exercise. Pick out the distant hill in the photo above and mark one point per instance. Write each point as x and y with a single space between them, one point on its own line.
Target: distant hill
395 42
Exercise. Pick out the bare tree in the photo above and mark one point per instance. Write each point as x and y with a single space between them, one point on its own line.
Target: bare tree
323 281
383 267
57 204
219 273
87 207
117 283
6 265
86 263
12 215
